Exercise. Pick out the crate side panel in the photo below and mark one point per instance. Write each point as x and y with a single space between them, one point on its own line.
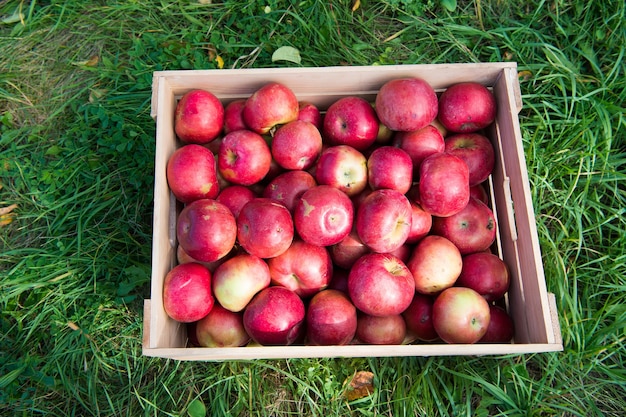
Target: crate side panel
529 262
324 85
165 332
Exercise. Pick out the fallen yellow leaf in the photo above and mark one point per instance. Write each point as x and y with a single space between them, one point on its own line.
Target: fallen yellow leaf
524 75
220 62
8 209
361 385
356 5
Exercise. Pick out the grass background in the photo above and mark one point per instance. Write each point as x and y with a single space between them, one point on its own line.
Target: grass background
77 149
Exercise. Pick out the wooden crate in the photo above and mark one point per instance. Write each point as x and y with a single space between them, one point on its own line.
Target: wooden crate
533 309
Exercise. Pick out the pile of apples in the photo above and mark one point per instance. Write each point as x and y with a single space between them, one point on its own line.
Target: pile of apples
365 222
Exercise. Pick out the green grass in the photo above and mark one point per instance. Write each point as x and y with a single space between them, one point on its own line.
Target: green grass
77 149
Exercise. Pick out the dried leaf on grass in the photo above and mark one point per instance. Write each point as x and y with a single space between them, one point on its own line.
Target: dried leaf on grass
356 5
361 385
7 215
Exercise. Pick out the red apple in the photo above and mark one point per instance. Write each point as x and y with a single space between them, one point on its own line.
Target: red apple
421 223
233 116
477 152
385 330
486 274
501 328
435 264
331 319
342 167
221 328
199 117
265 228
479 191
309 112
340 280
191 173
403 253
460 315
323 216
390 167
303 268
183 257
443 185
406 104
206 229
380 284
383 220
466 107
345 253
271 105
288 187
238 279
275 316
296 145
473 229
419 144
187 295
385 135
235 197
244 157
351 121
419 318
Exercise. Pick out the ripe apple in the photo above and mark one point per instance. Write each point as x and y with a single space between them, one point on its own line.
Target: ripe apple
419 144
323 216
421 223
419 318
238 279
340 280
435 264
486 274
377 330
385 135
390 167
191 173
271 105
342 167
380 284
351 121
233 116
199 117
221 328
303 268
309 112
288 187
477 152
275 316
296 145
187 295
466 107
473 229
406 104
443 184
479 191
265 227
501 328
235 197
244 157
331 319
383 220
183 257
345 253
460 315
206 229
403 253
